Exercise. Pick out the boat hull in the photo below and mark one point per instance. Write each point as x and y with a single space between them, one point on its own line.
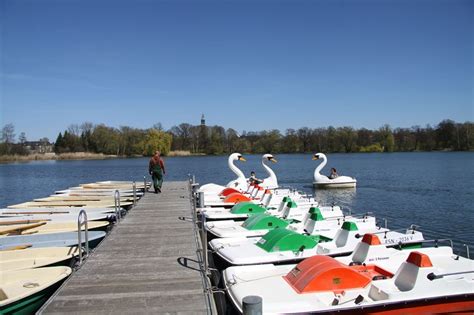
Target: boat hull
440 305
29 305
334 185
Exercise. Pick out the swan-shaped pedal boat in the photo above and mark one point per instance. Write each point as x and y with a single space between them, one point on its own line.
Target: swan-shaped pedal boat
271 182
240 183
216 195
323 181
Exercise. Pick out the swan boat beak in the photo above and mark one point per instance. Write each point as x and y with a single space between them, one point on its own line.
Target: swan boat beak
315 158
241 158
273 160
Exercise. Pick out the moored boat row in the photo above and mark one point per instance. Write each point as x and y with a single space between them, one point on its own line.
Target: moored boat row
300 256
41 241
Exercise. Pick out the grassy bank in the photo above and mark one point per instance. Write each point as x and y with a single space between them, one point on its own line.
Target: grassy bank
53 156
183 153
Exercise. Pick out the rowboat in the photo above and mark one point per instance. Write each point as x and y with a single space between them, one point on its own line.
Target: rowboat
56 210
113 185
47 227
83 198
24 291
36 257
390 281
59 203
282 245
54 217
98 190
93 192
50 240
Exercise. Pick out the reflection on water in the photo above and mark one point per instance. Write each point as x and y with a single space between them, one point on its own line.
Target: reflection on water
343 197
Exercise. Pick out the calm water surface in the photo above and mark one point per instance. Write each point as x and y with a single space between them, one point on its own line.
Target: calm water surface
432 190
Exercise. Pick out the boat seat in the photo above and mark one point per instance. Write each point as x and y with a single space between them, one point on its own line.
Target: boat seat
362 249
344 233
411 273
3 296
288 209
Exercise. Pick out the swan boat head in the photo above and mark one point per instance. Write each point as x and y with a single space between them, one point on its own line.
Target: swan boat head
271 181
269 157
240 182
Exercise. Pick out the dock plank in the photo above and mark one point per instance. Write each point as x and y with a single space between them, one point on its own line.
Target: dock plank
135 270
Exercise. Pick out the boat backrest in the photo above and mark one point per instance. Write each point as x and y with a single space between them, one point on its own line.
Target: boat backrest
408 273
290 206
363 247
283 203
314 216
3 296
267 197
348 229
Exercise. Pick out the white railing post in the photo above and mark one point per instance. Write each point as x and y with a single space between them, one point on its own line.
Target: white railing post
134 193
82 220
118 213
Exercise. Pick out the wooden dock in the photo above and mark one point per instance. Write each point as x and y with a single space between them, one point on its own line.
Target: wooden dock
135 269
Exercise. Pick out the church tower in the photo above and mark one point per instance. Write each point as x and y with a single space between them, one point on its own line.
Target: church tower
203 121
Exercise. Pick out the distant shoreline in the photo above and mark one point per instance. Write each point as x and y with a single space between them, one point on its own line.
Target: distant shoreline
54 156
76 156
100 156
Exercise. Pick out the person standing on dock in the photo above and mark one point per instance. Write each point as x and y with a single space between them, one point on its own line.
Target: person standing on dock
156 168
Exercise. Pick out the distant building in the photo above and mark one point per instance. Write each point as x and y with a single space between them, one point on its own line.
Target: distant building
203 121
38 147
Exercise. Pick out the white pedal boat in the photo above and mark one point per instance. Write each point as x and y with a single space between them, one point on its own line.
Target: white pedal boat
239 183
322 181
282 245
319 220
288 209
423 281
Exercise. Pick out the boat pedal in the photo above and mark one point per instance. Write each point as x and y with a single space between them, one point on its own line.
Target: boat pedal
359 299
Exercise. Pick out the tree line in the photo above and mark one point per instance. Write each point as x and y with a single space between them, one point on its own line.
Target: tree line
447 135
202 139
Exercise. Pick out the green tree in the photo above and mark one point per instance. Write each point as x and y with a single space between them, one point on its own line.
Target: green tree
156 140
58 145
347 138
446 135
291 143
385 138
8 138
105 140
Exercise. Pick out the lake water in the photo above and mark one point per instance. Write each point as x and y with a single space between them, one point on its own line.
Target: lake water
432 190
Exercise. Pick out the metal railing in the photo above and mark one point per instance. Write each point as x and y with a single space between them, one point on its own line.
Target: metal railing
135 193
118 210
82 221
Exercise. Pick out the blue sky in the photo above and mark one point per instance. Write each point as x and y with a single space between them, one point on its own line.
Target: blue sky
247 65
